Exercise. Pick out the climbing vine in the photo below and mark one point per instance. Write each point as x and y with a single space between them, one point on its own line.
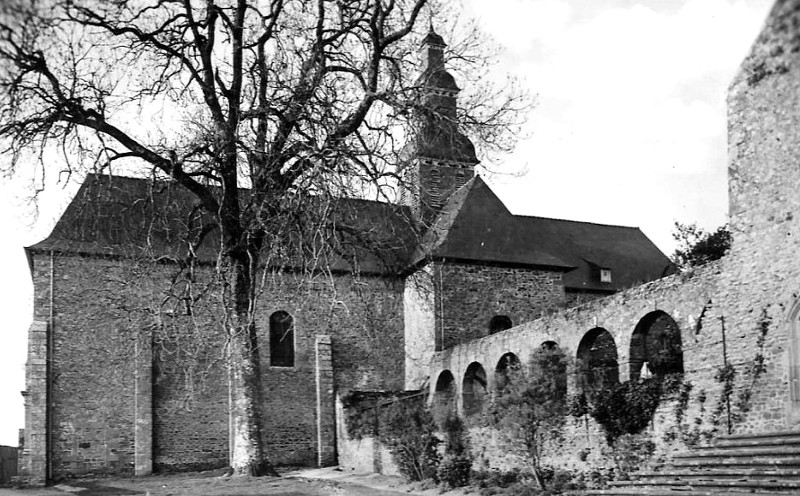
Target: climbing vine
755 368
735 396
726 376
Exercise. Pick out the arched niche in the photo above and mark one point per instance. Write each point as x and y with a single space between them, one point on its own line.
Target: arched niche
473 390
508 364
444 396
549 345
500 323
549 363
597 364
656 347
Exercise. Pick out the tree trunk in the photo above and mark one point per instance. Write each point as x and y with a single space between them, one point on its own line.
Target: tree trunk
247 456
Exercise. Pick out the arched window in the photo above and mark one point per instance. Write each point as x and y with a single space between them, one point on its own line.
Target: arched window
281 339
500 323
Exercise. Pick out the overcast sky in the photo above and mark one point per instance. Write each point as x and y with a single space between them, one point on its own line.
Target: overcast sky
629 129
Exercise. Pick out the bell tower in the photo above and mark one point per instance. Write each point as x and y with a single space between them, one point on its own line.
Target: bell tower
442 158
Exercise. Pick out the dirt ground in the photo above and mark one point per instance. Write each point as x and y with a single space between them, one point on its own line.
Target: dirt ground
316 482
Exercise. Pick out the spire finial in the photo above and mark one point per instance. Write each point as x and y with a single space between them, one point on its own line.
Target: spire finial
433 38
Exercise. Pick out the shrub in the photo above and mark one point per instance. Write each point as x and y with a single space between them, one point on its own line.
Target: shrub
408 430
529 411
455 467
454 470
626 408
495 478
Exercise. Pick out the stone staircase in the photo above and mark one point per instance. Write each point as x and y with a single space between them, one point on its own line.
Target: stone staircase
762 464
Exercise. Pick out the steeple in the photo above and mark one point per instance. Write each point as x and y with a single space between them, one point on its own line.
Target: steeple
442 158
439 87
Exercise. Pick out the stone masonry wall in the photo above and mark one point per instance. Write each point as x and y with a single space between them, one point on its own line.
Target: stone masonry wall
419 318
469 295
33 460
103 309
92 377
364 319
683 298
721 309
764 150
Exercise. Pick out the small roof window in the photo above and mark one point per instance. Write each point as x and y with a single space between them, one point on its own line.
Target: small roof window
605 275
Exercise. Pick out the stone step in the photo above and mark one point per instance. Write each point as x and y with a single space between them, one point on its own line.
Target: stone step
732 452
760 435
755 462
723 473
682 491
792 439
758 464
711 484
769 450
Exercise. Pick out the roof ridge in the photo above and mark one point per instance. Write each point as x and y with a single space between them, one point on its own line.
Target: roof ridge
574 221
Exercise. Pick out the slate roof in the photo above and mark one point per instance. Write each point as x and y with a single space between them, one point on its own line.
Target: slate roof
123 216
475 226
131 217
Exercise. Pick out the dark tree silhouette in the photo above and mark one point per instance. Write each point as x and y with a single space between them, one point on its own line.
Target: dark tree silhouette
696 246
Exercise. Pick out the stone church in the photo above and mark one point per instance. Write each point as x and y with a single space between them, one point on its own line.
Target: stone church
109 391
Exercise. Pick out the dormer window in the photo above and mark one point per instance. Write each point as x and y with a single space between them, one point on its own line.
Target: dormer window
605 275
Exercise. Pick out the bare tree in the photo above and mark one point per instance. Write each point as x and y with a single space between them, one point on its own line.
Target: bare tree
294 100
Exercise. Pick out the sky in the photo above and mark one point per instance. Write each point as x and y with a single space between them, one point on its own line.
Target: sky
629 129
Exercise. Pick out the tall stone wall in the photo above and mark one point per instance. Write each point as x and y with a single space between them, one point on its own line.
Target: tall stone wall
469 295
139 380
34 458
684 298
738 311
364 319
419 304
764 150
92 374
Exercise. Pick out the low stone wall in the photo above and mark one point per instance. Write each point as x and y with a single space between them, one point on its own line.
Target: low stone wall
363 455
8 464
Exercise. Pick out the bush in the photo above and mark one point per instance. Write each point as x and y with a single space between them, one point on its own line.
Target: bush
516 489
529 411
559 480
495 478
454 470
455 467
627 408
408 430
